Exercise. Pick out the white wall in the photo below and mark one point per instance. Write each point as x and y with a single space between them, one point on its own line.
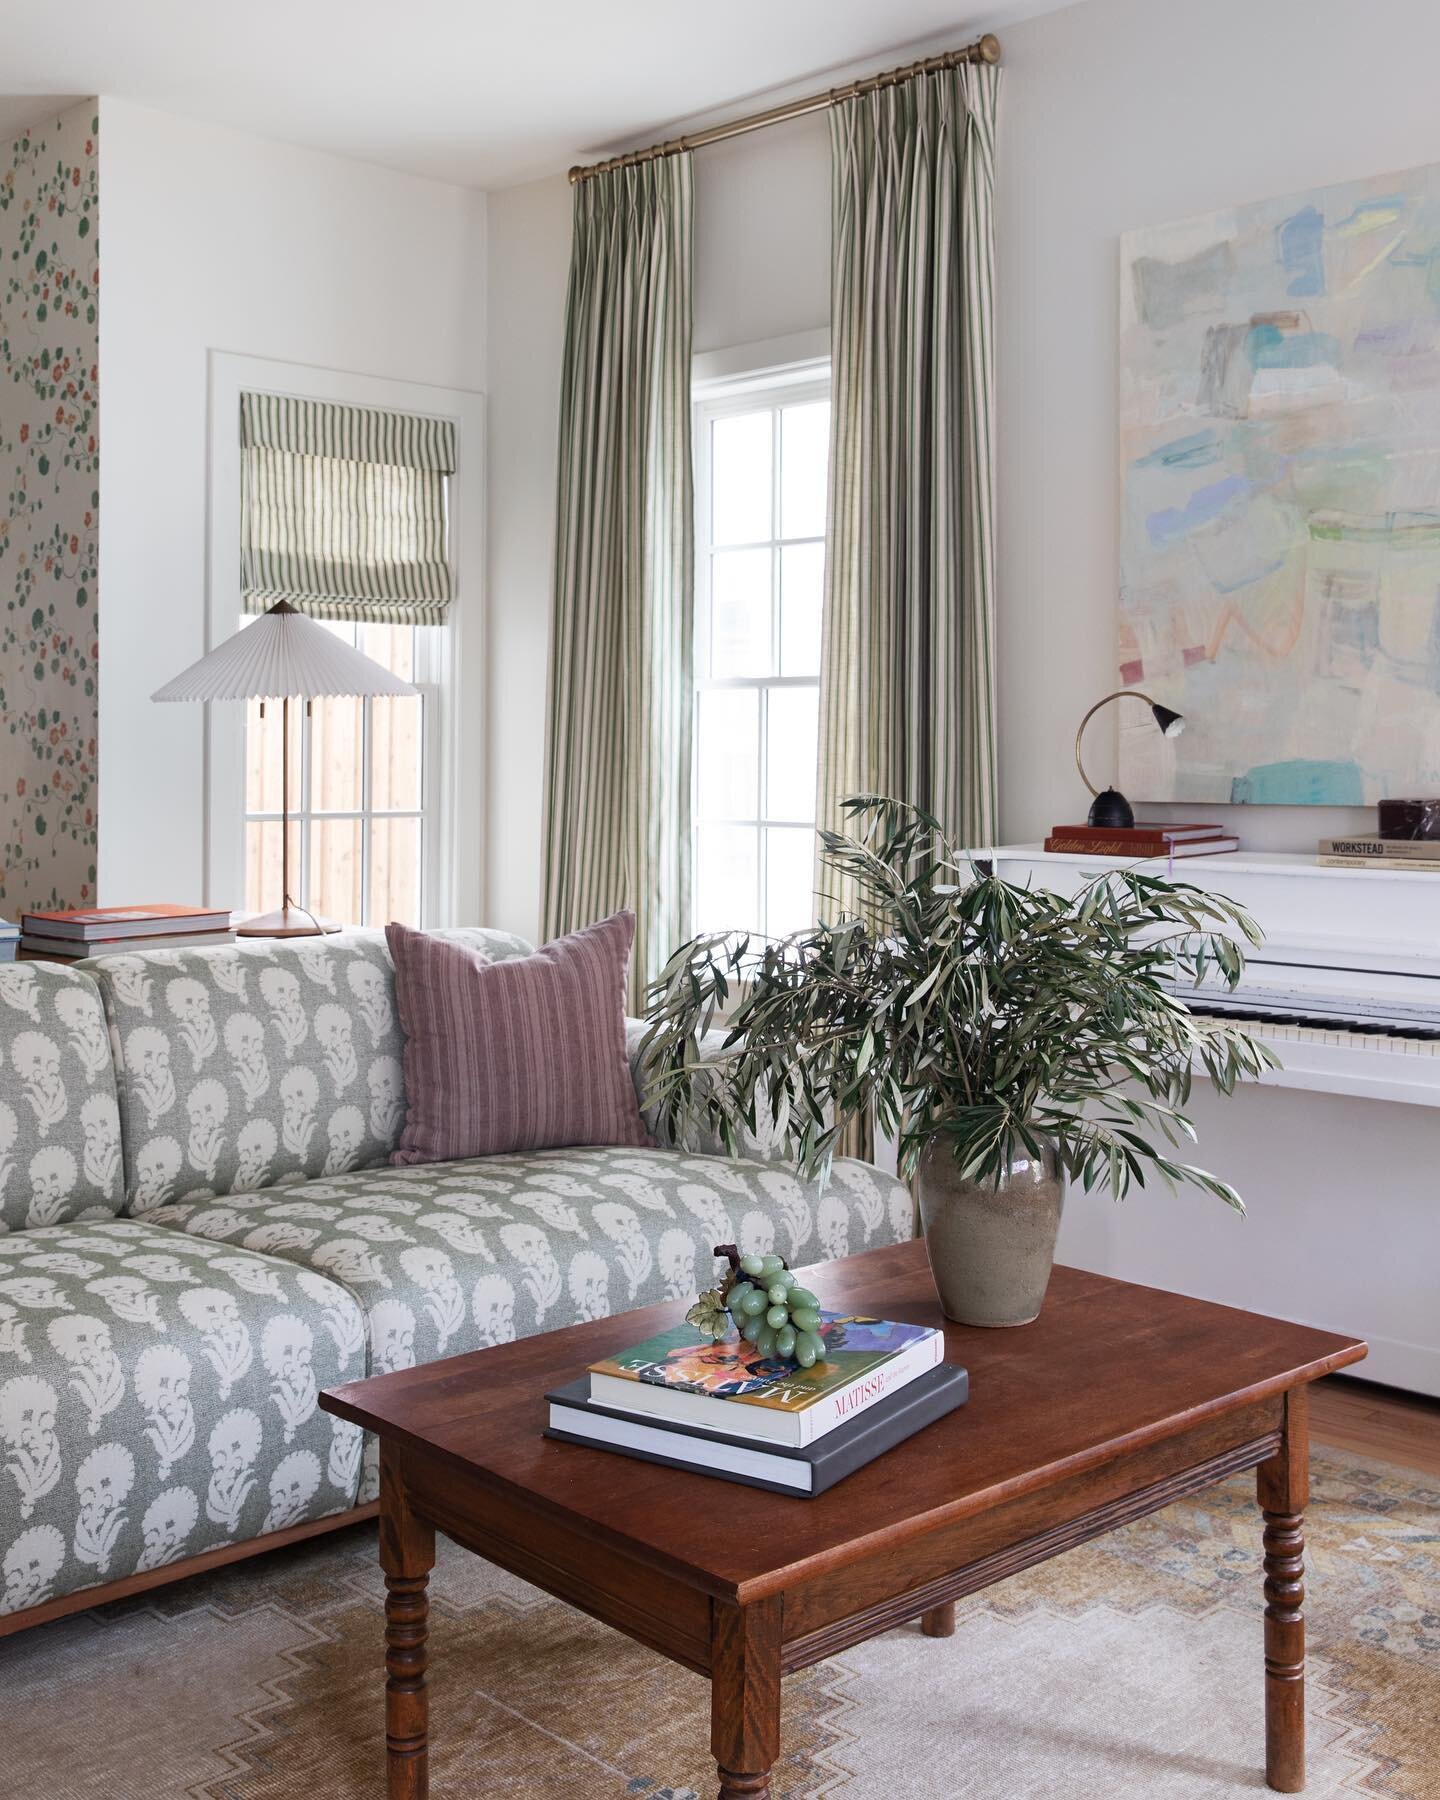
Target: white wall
762 235
529 255
1114 113
218 240
1120 113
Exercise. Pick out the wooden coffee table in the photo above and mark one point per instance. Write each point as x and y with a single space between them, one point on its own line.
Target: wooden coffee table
1115 1402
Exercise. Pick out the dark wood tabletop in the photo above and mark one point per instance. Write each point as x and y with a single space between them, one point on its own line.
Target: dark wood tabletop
1107 1367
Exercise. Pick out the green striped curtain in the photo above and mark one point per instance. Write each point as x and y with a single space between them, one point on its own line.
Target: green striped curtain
617 813
908 661
343 510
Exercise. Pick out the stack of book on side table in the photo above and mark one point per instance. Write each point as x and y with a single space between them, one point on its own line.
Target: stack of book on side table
116 930
725 1409
1141 840
9 940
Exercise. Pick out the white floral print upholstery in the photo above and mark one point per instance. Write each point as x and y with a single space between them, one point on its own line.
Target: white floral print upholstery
265 1061
59 1121
159 1372
450 1257
158 1398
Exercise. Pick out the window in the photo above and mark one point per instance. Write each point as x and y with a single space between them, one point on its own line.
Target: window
344 514
385 821
359 787
761 467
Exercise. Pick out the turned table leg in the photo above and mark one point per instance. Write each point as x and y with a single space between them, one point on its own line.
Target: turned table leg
745 1696
939 1621
407 1554
1282 1485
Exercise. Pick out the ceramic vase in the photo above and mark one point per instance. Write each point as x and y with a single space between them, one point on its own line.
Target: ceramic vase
991 1246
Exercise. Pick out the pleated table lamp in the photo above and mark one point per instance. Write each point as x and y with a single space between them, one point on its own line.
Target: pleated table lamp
283 656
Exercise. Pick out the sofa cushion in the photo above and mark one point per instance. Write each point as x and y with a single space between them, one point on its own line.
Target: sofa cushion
59 1121
268 1060
451 1256
526 1054
158 1398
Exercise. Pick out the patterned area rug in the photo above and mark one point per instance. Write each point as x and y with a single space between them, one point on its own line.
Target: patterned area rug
1130 1667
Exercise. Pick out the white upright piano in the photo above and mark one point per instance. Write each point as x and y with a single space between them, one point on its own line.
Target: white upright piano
1337 1153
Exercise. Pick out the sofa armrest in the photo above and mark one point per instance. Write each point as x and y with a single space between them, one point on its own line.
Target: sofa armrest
696 1136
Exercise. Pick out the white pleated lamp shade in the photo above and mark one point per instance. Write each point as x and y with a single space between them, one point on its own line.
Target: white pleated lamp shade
282 654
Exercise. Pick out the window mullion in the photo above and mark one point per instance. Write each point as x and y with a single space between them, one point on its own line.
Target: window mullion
366 797
776 524
303 811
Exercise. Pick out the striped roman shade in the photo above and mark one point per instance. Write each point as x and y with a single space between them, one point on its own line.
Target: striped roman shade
343 510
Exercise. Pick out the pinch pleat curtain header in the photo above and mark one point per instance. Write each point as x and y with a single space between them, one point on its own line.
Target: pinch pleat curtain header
344 510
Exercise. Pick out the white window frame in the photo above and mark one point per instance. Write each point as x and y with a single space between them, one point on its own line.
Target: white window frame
782 372
431 677
450 664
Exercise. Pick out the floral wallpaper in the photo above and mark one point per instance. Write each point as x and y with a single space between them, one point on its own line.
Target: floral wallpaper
49 517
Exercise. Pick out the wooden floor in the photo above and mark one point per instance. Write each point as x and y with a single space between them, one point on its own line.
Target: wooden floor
1369 1420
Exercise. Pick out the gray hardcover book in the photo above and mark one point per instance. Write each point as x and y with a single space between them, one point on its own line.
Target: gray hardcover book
576 1419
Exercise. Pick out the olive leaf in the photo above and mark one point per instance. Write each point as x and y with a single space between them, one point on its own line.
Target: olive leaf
957 1008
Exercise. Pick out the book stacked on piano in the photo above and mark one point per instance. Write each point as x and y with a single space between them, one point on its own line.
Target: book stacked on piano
724 1409
1141 840
1369 852
9 940
113 930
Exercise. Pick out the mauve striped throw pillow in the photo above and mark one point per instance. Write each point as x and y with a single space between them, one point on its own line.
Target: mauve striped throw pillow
527 1054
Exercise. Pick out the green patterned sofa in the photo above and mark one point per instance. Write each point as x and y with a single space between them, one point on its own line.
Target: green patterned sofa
201 1230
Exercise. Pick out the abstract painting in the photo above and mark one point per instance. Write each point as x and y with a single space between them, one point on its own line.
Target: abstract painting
1280 497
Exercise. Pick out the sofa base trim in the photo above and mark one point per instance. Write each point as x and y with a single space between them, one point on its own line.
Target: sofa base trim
84 1598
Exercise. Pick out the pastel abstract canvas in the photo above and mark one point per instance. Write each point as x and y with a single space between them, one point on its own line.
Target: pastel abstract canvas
1280 497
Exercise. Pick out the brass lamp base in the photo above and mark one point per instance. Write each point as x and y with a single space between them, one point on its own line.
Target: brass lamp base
288 922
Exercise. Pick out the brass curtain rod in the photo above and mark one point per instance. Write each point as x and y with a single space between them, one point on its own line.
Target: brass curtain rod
985 49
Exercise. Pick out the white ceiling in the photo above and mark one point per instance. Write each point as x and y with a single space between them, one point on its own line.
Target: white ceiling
471 91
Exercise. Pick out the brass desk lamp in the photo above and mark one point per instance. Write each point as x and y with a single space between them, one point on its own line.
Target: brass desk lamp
1111 808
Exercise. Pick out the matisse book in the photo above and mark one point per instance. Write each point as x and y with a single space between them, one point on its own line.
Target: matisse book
730 1387
808 1471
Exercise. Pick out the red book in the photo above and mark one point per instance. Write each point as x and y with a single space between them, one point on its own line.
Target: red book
1118 843
88 924
1145 832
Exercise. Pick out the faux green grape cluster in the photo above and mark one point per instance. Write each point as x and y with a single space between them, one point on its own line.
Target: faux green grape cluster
774 1313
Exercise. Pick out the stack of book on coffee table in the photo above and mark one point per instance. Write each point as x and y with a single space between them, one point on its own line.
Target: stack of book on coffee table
724 1409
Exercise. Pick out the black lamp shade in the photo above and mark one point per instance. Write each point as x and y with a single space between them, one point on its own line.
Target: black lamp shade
1167 720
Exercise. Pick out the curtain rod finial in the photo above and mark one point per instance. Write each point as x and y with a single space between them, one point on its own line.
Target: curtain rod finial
988 48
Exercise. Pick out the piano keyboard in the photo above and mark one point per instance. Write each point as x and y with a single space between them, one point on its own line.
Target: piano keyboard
1329 1056
1386 1040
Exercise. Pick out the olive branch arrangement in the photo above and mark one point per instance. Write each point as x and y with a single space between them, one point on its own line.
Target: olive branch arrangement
958 1008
